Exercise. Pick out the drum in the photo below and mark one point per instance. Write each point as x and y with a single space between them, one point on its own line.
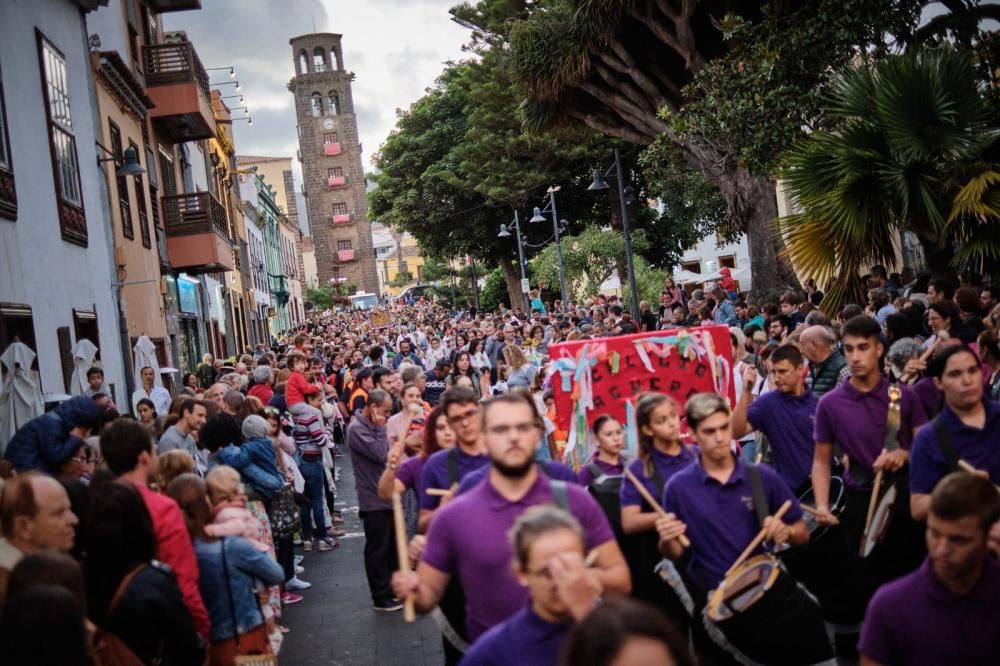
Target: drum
836 501
759 614
881 520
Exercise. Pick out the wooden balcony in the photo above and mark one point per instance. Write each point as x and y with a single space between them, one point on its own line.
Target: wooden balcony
164 6
341 219
197 234
336 181
331 149
345 255
177 83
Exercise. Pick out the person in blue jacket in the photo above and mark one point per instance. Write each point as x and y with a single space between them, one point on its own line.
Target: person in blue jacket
46 442
255 459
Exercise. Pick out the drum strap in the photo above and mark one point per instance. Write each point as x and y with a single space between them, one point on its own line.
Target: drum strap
452 466
757 494
560 495
945 443
595 471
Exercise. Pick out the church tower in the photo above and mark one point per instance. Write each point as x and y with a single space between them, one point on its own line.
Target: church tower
330 152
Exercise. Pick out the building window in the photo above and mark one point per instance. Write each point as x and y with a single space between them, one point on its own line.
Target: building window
167 174
85 327
316 105
335 172
340 209
329 137
303 62
140 203
345 245
728 260
66 169
692 266
16 325
333 103
121 182
319 59
8 193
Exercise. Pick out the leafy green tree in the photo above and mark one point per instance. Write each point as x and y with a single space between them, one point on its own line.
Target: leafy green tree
401 279
912 146
321 297
494 291
589 258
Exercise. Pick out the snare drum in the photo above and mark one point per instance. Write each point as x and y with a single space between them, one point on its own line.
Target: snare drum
881 520
836 501
743 588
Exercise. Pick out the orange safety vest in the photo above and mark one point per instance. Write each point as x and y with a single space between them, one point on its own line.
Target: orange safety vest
355 393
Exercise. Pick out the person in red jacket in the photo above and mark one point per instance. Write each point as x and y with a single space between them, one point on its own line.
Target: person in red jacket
261 388
129 453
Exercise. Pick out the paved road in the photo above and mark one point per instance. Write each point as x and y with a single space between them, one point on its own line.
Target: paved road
335 623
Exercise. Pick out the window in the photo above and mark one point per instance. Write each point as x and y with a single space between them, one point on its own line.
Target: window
335 172
319 59
121 182
168 175
693 266
16 325
329 137
316 105
85 327
340 209
333 103
8 193
66 169
303 62
140 203
345 245
727 260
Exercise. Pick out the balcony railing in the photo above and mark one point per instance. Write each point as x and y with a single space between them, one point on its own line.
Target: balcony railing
341 219
198 213
336 181
331 148
174 63
163 6
345 255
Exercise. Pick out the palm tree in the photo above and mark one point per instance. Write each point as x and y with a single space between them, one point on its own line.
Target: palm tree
910 146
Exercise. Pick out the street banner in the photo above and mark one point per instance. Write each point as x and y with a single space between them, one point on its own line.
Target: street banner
604 375
379 319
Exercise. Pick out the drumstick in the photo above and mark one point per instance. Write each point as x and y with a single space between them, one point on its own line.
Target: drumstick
653 503
590 559
966 467
872 503
809 509
441 492
409 613
760 537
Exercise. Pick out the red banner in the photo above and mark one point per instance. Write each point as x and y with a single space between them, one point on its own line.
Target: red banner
601 376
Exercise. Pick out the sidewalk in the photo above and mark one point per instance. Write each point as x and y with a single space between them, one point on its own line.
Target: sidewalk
335 623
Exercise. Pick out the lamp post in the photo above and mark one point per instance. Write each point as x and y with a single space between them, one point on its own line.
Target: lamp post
598 185
505 233
537 217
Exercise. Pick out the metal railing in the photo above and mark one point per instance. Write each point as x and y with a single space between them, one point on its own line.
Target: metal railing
174 63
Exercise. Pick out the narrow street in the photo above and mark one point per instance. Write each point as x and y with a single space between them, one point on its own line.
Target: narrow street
335 623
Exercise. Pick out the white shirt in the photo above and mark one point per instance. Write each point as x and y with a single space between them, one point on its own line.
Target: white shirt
159 396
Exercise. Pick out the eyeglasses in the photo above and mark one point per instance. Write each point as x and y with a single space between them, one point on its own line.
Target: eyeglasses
465 416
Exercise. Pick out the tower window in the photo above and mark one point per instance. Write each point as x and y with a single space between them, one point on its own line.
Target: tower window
316 105
329 137
333 103
319 59
340 209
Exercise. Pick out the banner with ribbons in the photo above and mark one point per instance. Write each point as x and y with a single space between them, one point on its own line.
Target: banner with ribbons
605 375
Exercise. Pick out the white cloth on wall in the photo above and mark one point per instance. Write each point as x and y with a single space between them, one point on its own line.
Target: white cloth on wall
145 357
21 395
84 352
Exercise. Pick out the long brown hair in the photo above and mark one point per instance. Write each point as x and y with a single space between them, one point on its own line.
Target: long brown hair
431 445
643 415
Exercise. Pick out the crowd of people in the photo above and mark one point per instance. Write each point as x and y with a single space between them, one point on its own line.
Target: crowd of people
843 506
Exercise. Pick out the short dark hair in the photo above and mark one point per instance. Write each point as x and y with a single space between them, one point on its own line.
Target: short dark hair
514 398
442 363
93 371
961 494
784 320
788 353
122 442
379 373
947 310
599 637
943 287
861 326
790 298
457 395
219 431
187 407
941 358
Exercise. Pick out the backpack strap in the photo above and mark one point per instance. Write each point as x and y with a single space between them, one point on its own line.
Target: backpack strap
757 493
122 586
452 466
945 443
560 494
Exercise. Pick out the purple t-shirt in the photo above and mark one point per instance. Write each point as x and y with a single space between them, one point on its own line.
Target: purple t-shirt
917 620
856 421
721 519
929 396
435 473
979 448
666 465
586 476
468 538
409 472
524 639
551 468
787 421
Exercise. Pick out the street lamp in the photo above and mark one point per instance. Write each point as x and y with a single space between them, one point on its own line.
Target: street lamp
535 219
505 233
599 185
232 70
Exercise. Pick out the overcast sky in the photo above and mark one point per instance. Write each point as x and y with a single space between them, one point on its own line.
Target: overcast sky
395 47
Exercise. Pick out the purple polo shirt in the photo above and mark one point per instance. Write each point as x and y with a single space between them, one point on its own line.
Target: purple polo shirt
666 465
979 448
409 472
524 639
787 421
585 476
551 468
856 421
720 517
468 539
435 473
917 620
929 396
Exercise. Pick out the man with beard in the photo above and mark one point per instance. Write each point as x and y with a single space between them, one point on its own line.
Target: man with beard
468 536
